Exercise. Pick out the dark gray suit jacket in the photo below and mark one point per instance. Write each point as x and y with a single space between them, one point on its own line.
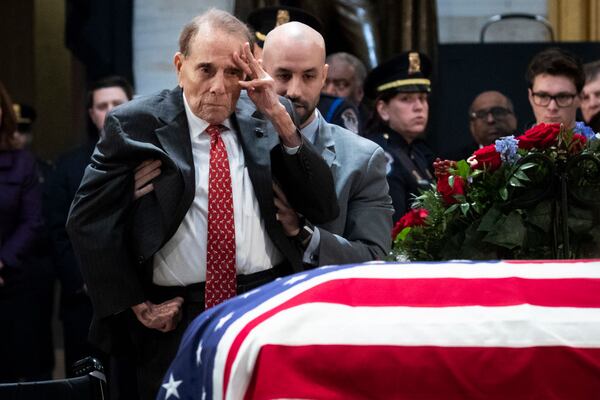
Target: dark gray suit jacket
362 231
115 238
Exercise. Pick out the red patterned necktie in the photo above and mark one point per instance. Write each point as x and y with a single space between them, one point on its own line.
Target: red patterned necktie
220 244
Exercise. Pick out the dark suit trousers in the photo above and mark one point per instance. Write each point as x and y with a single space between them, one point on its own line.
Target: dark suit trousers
156 350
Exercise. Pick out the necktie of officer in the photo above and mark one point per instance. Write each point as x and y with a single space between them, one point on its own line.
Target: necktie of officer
220 246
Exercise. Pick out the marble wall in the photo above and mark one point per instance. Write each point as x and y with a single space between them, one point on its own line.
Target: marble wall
156 28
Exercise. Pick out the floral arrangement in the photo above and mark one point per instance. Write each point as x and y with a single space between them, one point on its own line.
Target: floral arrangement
536 196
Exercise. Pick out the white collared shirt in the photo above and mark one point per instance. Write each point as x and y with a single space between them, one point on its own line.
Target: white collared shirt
182 260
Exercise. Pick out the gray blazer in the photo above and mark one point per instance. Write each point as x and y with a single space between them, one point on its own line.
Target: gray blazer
362 231
115 238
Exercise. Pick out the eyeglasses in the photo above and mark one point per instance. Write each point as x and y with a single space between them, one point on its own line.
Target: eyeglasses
496 112
561 99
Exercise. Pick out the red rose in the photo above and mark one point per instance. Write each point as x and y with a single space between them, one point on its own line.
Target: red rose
415 217
540 136
578 143
447 192
486 157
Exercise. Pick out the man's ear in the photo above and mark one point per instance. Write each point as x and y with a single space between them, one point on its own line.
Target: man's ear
325 70
382 110
178 63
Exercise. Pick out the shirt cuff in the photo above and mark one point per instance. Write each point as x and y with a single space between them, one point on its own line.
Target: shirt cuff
311 254
291 150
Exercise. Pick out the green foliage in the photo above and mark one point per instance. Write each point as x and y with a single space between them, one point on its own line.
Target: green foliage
514 211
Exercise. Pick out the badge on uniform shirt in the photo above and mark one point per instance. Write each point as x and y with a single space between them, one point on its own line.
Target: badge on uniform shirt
350 120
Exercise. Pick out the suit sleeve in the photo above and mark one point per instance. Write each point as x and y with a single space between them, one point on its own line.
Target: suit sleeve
97 224
367 234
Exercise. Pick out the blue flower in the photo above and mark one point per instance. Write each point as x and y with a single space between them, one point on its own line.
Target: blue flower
507 148
582 128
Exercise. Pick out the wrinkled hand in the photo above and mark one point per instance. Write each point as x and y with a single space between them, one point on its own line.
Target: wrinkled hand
144 173
285 213
261 87
163 317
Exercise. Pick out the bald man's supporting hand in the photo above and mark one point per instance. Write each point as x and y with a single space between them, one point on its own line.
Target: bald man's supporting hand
261 90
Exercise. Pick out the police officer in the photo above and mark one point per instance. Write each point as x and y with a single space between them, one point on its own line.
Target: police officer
335 110
400 88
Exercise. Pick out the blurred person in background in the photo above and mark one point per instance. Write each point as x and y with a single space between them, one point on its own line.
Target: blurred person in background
25 334
590 95
75 305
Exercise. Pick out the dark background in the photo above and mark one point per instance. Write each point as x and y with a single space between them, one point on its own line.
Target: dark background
465 70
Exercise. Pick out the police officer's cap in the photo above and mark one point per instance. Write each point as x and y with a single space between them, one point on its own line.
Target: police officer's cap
407 72
264 20
25 116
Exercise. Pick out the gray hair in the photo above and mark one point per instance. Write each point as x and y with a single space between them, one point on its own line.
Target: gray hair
218 20
359 67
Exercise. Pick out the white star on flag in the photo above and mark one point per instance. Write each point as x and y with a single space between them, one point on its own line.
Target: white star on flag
171 387
295 279
223 320
199 353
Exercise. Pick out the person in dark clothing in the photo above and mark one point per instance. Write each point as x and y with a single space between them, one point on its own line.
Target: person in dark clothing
400 88
75 306
25 339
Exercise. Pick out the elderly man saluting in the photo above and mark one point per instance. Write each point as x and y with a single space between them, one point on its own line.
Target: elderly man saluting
210 228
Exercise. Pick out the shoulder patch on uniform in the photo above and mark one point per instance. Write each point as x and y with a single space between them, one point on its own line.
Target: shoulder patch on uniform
350 119
390 162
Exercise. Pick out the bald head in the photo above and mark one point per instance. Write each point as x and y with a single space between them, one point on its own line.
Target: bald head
294 55
287 36
492 116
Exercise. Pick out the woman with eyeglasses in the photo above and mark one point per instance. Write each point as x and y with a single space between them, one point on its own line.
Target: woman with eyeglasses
400 88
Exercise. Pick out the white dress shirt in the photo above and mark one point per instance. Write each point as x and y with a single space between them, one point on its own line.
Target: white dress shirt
182 260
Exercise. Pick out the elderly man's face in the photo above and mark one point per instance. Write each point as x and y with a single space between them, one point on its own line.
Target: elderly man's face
209 76
491 118
341 81
299 73
554 100
590 99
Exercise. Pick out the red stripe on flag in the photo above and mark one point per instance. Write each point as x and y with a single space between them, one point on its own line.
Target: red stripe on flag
395 372
435 292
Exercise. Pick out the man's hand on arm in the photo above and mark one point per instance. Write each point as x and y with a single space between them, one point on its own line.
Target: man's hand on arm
144 173
287 217
163 317
261 90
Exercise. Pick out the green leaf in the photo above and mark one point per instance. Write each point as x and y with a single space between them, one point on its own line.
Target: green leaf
451 181
464 207
541 216
404 233
522 176
527 166
515 182
463 168
510 233
503 193
490 219
451 209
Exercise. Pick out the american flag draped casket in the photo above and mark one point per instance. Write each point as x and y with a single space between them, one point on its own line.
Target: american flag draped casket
459 330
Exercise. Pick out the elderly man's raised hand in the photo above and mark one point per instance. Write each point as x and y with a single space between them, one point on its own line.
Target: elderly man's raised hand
261 90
